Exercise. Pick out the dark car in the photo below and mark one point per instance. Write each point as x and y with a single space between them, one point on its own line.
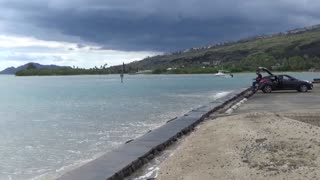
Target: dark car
282 82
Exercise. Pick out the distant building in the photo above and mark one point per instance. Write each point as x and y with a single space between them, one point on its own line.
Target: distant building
144 72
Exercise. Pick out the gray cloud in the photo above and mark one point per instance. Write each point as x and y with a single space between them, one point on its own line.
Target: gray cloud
31 58
156 25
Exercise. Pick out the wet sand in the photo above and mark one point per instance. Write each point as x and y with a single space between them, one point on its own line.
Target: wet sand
277 139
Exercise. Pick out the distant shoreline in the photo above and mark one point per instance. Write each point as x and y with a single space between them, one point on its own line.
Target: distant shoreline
129 74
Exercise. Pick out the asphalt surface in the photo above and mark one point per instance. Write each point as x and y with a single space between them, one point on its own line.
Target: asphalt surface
283 101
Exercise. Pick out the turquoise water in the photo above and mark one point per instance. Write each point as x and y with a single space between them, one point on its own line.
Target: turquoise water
49 125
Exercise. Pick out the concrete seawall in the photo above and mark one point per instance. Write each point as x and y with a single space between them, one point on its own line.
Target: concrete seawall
125 160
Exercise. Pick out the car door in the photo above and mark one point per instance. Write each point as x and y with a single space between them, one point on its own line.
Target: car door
276 82
288 82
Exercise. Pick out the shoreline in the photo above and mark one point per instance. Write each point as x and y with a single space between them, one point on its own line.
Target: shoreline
125 160
130 74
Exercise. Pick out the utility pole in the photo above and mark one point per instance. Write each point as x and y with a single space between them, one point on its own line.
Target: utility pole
122 73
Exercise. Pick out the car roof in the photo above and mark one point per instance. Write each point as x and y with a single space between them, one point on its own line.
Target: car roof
278 75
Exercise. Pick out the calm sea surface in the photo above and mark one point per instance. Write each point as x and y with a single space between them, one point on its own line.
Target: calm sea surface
49 125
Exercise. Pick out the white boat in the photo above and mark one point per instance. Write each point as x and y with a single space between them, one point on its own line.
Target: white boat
222 73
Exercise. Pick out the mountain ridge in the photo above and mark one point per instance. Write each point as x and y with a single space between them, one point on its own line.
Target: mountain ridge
277 49
13 70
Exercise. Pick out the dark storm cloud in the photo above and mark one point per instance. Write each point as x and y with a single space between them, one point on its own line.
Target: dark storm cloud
153 24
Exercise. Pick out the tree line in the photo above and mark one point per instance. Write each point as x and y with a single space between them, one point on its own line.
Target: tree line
247 64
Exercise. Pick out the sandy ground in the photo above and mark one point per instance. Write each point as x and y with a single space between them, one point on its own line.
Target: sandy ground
260 145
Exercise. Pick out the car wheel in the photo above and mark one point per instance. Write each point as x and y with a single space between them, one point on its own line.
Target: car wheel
303 88
267 89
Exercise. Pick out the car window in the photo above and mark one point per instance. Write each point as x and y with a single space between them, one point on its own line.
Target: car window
287 78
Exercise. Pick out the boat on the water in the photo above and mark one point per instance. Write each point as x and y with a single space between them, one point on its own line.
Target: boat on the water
222 73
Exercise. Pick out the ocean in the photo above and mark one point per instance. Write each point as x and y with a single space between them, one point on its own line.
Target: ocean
50 125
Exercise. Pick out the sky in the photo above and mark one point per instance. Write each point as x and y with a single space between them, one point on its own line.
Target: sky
88 33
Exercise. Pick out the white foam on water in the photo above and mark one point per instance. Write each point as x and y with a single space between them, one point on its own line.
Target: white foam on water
74 152
38 120
54 174
221 94
214 94
152 173
193 95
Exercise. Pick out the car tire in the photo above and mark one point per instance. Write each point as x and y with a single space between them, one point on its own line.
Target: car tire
303 88
267 89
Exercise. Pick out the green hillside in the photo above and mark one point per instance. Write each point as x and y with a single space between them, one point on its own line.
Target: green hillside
294 50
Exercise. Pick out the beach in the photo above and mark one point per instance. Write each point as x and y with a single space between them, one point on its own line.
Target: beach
271 136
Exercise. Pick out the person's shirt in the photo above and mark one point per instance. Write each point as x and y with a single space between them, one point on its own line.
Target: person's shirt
259 77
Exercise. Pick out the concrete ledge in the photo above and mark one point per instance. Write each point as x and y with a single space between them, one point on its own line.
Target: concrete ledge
123 161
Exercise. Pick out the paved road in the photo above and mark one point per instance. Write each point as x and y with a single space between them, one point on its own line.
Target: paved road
283 101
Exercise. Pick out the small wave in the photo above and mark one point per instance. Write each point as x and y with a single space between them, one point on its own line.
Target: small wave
54 174
221 94
152 173
73 152
216 95
188 95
